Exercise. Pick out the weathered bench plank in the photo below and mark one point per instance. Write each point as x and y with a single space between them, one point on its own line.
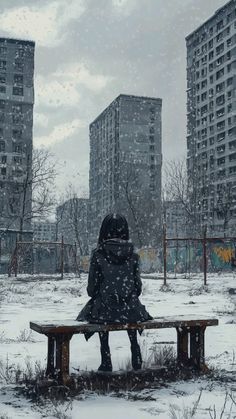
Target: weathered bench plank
158 323
190 339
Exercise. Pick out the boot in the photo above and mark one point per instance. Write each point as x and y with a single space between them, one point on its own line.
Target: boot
136 357
106 364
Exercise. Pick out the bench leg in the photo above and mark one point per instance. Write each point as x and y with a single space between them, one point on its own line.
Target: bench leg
182 346
50 371
63 358
197 347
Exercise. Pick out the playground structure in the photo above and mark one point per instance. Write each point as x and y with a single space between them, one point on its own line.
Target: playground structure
209 253
34 257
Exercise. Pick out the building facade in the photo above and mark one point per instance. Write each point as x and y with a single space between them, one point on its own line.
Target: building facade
72 223
211 121
44 231
16 124
175 218
125 166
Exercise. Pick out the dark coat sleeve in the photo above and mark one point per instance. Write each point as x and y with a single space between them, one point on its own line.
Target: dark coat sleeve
94 277
137 277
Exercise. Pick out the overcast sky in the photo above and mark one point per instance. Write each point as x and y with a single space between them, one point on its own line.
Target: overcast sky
90 51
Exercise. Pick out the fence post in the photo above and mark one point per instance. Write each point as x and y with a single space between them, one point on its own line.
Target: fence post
205 256
62 257
164 253
16 259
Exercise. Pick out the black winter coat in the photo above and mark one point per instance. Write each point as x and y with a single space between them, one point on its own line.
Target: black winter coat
114 285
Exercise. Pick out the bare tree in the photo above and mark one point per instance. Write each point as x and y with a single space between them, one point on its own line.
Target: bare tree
32 197
225 200
178 188
72 218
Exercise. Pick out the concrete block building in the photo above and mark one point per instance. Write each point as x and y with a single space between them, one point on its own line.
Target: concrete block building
211 121
16 124
125 166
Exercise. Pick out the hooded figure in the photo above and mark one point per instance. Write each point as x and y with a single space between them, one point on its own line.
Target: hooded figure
114 285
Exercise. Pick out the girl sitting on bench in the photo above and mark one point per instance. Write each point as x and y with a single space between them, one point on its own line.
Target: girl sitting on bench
114 285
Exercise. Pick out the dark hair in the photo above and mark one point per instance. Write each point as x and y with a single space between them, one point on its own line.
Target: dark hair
113 226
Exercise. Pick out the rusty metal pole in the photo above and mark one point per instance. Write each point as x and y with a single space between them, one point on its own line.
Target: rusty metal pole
62 257
16 258
205 256
164 253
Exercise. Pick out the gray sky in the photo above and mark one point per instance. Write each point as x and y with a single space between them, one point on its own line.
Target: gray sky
90 51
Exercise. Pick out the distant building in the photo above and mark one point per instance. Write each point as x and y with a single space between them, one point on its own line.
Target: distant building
125 166
16 124
211 120
175 218
44 231
72 223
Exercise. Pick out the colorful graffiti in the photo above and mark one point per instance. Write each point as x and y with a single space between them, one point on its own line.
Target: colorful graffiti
189 257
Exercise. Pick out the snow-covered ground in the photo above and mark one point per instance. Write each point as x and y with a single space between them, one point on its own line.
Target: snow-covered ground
26 298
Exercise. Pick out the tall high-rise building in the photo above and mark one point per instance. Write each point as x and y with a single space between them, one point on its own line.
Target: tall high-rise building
16 123
125 166
211 120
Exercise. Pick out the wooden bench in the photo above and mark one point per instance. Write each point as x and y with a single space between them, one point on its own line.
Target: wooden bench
190 340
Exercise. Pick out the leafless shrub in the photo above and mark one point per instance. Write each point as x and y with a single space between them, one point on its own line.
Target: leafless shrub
222 414
25 336
55 408
161 356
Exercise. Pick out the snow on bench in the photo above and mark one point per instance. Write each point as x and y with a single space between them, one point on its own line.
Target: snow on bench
190 339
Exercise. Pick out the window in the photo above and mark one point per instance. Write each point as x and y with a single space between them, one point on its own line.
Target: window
211 31
2 89
211 104
204 83
19 65
2 117
228 55
230 107
230 81
229 94
230 132
18 79
211 92
228 68
210 44
229 42
4 159
211 79
204 72
221 125
2 79
2 104
232 157
3 171
230 121
220 25
17 134
17 91
220 100
3 50
219 37
204 96
151 130
220 49
3 65
220 87
221 136
220 60
221 161
2 146
220 73
1 132
232 145
211 55
211 117
17 147
221 149
211 67
211 140
203 109
220 112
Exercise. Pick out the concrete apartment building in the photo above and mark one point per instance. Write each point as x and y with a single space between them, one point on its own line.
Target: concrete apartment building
211 120
44 231
125 166
16 123
175 217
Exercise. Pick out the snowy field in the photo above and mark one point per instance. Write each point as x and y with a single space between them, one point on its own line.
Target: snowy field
26 298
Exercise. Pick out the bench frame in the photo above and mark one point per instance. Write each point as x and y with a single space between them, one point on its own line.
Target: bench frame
190 341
